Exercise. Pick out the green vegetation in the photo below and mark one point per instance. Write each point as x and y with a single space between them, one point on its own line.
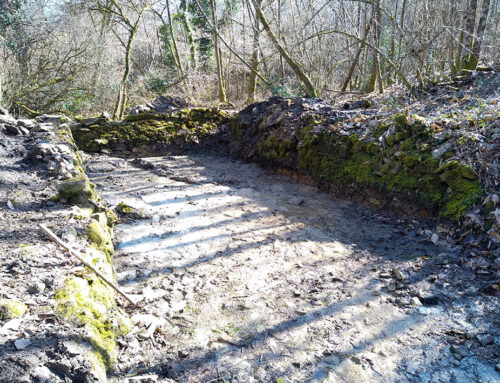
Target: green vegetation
90 303
100 234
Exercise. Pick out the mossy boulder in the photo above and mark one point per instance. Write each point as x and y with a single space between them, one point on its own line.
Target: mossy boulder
78 191
128 211
100 234
90 303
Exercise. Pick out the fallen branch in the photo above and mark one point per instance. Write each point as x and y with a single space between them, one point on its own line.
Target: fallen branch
56 239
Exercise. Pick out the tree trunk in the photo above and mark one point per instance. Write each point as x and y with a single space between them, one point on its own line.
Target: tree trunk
301 75
174 43
122 96
476 48
469 40
356 58
254 61
218 59
375 70
402 23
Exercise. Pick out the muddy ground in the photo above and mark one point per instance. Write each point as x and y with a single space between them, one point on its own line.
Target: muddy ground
245 276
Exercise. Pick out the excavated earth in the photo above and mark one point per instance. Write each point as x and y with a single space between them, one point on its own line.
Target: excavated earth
243 275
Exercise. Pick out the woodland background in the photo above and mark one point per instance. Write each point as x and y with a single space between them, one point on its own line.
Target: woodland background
83 56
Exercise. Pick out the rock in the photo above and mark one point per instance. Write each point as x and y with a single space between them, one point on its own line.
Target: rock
6 119
424 311
105 116
385 275
485 339
42 374
45 128
73 190
3 111
126 210
28 124
398 274
459 352
71 348
53 119
497 367
434 239
143 379
415 301
17 130
68 234
165 103
22 344
357 104
403 301
90 121
391 287
439 152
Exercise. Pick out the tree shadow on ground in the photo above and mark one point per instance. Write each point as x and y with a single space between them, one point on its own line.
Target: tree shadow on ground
376 241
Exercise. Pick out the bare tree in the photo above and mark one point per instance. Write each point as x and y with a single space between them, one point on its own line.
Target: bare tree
294 65
128 15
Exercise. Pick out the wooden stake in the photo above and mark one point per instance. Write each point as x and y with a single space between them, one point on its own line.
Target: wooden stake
56 239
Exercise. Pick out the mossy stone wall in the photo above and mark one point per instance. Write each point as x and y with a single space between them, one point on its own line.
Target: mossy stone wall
393 160
145 129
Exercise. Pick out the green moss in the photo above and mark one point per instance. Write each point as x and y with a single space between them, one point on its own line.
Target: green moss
123 208
111 217
146 128
344 160
407 145
90 303
401 121
11 308
381 129
74 190
464 186
100 234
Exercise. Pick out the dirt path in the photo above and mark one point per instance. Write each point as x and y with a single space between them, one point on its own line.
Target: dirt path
246 276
